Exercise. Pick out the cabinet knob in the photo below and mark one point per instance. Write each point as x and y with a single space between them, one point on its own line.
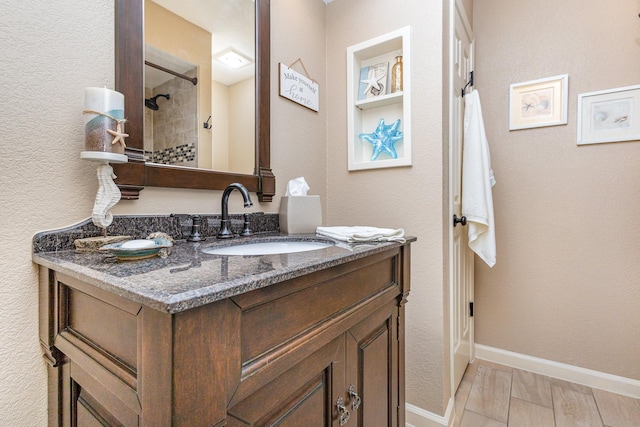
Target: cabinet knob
343 413
355 399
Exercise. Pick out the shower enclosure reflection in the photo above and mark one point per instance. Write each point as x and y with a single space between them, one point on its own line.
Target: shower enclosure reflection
171 113
186 86
170 125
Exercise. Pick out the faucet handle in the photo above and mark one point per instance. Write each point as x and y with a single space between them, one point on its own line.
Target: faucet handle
196 224
246 230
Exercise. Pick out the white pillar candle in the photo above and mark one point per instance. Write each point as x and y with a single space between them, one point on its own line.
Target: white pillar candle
101 107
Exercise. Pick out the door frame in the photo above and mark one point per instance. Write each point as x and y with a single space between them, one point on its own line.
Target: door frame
456 6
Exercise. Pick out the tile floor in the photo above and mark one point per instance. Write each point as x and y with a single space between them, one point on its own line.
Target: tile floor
492 395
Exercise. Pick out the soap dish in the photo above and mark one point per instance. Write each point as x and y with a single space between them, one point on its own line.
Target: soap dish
136 249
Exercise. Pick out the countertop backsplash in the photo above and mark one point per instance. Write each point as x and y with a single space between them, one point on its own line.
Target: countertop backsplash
139 227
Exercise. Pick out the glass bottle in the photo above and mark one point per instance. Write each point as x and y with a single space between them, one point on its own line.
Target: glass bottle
396 75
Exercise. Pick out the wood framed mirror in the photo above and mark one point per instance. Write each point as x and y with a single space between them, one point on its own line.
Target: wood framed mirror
135 175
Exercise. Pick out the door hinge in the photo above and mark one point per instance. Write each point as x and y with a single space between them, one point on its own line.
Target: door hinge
471 309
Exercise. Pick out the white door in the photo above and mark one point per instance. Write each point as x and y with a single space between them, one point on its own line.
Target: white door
462 257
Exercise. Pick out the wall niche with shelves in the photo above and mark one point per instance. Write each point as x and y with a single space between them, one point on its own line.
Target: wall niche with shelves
375 137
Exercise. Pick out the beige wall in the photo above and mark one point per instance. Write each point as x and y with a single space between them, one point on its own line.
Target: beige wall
298 135
565 286
468 8
241 133
45 68
220 125
232 121
408 197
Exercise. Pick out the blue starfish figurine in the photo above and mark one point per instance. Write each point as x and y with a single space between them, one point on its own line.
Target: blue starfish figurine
383 139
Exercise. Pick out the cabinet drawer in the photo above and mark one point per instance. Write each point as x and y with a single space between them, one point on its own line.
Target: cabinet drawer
100 324
275 315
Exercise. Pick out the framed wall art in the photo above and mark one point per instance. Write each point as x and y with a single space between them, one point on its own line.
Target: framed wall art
538 103
298 88
611 115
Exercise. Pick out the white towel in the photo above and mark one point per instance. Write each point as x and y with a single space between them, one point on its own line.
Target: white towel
477 180
362 234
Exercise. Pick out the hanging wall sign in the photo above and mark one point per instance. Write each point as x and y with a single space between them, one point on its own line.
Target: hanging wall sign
298 88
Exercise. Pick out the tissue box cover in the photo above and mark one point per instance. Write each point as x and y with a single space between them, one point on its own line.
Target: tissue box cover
300 214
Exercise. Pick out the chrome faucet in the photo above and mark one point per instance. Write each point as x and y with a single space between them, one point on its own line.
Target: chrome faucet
225 232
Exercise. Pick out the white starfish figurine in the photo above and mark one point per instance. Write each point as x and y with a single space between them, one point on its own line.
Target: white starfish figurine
372 82
118 135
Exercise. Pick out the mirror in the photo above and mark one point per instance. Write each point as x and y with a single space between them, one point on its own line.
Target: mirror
199 80
130 71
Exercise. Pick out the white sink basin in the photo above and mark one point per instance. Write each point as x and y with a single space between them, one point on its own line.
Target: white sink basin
267 248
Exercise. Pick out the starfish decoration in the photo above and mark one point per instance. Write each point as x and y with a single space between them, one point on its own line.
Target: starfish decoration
118 135
383 139
372 83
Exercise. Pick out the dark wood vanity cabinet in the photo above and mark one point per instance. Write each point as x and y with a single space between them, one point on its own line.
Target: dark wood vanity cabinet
322 349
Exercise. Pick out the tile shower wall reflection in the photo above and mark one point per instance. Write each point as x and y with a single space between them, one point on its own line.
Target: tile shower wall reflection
171 132
184 155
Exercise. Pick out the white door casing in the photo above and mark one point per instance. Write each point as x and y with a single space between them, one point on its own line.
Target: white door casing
461 257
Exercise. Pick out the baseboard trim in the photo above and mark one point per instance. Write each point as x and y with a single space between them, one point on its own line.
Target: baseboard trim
600 380
418 417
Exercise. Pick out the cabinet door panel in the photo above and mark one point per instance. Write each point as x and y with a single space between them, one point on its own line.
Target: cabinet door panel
106 322
87 419
89 413
92 404
304 409
374 355
372 349
302 396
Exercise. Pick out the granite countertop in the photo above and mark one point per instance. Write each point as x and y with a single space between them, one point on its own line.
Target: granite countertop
189 278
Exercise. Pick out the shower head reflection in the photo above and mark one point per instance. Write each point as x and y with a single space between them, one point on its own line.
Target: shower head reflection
152 103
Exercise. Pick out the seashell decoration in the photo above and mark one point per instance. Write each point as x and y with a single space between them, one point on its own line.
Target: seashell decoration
600 116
